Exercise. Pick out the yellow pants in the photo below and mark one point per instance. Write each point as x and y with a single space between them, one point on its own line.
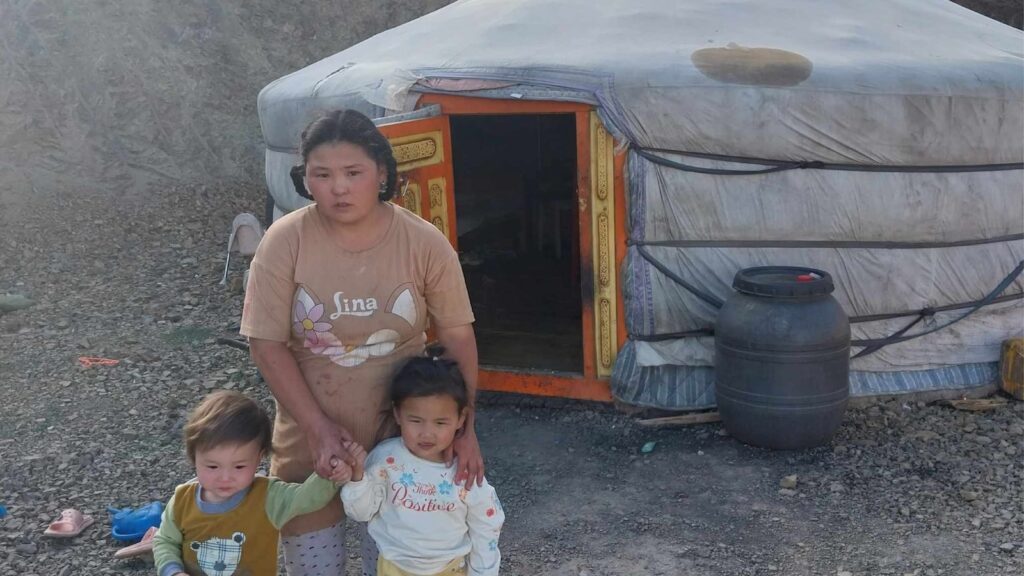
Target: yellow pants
456 567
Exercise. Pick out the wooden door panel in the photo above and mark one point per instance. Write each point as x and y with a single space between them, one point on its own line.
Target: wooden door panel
426 183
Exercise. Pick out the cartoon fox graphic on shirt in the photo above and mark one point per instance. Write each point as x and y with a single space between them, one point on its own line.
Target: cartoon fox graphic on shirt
392 324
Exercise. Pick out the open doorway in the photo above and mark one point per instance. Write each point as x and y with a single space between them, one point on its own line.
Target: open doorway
517 222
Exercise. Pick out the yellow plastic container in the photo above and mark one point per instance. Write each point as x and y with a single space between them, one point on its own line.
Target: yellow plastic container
1011 368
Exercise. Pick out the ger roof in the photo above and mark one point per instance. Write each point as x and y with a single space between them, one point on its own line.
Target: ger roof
872 81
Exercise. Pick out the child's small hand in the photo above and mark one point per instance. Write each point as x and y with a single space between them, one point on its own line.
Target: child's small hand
341 472
359 458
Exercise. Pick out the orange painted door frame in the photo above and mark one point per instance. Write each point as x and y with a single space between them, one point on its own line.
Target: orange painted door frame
592 383
423 150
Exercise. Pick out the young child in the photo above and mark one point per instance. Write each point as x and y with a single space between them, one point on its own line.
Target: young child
424 524
227 520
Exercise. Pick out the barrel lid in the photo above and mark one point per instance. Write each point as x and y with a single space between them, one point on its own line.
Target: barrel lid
783 281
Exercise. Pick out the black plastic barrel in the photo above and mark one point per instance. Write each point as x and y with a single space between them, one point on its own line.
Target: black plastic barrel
782 358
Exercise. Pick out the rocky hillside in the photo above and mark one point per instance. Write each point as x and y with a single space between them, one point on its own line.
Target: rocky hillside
115 95
1006 11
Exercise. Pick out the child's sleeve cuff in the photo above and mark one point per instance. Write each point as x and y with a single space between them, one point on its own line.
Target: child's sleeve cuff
172 568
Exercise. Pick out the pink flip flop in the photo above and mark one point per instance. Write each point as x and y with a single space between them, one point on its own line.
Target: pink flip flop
70 524
141 548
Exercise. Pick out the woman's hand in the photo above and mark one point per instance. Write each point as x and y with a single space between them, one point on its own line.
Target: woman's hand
326 443
466 450
285 380
460 345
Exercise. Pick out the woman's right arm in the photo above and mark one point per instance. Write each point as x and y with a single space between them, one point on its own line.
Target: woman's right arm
281 371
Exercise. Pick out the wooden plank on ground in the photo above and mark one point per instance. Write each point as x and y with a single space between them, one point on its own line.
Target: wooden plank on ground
978 404
681 420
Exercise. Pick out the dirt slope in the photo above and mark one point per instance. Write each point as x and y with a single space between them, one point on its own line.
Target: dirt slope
121 94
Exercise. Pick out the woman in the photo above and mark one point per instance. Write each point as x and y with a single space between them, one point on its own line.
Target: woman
339 296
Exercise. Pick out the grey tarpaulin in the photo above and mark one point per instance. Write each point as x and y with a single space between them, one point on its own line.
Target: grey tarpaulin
871 83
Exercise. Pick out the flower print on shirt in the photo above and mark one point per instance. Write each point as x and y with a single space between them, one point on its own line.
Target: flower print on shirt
306 321
445 488
311 322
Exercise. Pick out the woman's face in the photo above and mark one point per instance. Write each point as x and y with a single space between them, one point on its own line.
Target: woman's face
344 181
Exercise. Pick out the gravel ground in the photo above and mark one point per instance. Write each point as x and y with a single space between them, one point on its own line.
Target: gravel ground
906 488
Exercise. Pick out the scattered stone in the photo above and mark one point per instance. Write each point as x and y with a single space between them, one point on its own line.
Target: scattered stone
925 435
89 438
11 325
12 302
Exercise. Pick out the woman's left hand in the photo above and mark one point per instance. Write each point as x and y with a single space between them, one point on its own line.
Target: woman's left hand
466 451
460 345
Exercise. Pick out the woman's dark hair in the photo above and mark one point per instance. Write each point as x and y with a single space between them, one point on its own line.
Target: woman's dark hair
347 126
429 375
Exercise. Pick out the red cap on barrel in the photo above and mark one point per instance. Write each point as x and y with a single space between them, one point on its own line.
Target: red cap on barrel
783 281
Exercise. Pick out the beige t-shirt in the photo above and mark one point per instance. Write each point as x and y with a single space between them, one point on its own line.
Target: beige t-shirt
350 319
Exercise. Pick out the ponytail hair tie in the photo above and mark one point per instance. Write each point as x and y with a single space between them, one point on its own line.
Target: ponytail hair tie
435 352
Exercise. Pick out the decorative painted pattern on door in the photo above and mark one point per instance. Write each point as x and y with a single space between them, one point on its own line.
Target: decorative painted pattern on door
422 149
603 219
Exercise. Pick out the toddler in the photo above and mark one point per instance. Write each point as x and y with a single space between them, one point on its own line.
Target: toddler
422 522
226 521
